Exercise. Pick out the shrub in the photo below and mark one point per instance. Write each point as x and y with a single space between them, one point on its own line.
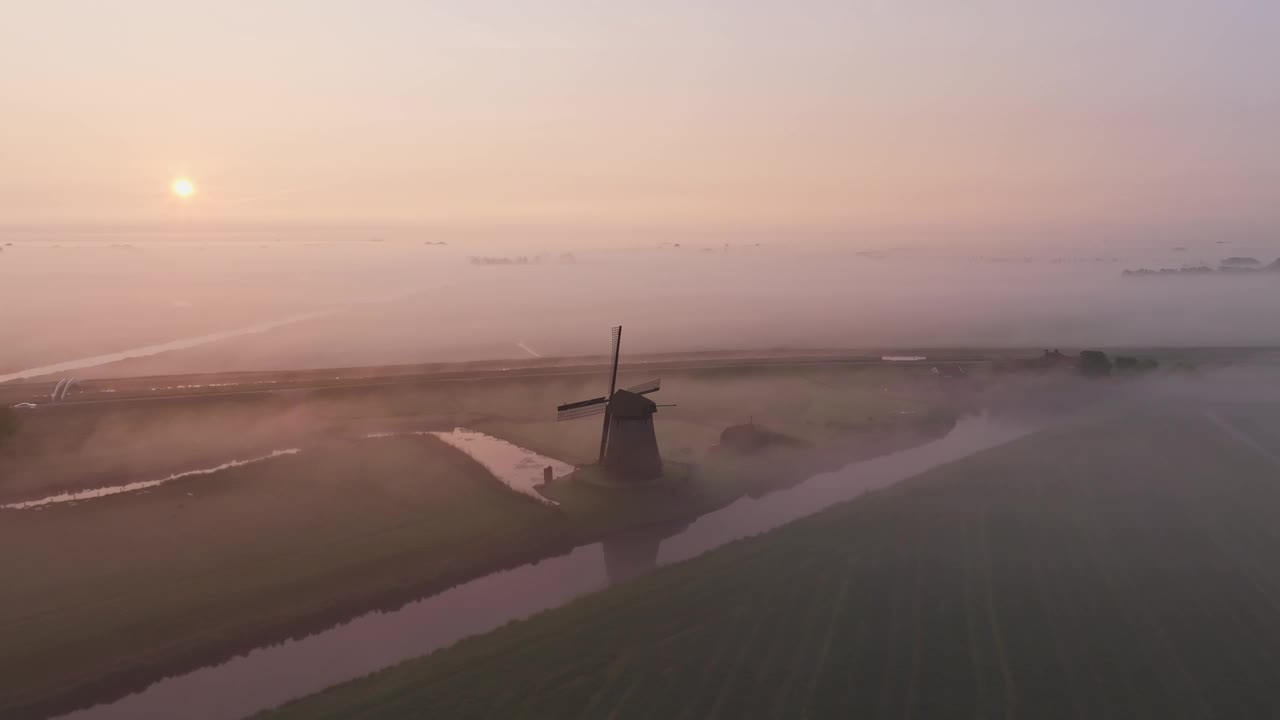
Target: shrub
1094 363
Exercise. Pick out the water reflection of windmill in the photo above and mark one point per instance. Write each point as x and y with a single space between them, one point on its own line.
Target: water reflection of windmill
628 446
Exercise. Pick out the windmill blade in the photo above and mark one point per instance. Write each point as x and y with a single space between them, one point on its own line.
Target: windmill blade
582 408
581 412
582 404
617 343
645 388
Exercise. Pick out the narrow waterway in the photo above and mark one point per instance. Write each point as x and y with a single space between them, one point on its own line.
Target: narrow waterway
156 349
271 675
73 497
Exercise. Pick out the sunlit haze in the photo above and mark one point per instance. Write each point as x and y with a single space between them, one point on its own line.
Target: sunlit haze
737 359
1001 117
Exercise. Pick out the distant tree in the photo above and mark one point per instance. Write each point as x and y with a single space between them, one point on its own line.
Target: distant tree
1240 262
1094 363
1126 364
8 423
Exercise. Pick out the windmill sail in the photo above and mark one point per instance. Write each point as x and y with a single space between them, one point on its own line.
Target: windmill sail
645 388
617 343
613 384
586 408
624 401
595 406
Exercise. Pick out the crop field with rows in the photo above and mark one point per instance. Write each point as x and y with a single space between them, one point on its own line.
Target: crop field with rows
1123 567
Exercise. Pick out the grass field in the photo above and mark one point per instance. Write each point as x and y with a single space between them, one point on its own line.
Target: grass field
66 447
104 594
1122 568
104 588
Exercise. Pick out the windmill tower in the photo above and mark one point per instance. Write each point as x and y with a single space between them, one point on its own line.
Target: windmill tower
628 446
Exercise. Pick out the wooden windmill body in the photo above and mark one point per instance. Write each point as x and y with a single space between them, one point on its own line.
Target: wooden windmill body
628 445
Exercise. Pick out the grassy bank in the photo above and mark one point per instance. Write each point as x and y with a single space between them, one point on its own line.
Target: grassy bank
1119 569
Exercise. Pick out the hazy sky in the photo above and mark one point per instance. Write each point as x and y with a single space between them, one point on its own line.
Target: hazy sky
743 113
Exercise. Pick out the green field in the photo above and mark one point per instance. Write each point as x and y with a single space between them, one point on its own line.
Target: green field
1122 568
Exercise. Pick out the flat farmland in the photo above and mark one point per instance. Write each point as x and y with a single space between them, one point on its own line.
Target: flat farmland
103 595
1122 567
103 592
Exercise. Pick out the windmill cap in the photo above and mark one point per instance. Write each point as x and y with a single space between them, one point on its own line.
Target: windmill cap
628 404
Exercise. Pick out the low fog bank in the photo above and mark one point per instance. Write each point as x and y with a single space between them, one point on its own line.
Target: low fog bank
752 515
1241 392
373 303
103 445
1226 385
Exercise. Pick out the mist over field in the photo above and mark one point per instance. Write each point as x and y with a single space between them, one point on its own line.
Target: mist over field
948 379
258 303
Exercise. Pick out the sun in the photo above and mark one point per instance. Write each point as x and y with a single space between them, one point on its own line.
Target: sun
183 188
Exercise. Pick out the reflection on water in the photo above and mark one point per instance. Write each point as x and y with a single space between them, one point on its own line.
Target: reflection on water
141 485
272 675
518 468
752 516
633 553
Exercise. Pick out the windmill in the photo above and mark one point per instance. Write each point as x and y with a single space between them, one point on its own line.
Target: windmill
628 446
